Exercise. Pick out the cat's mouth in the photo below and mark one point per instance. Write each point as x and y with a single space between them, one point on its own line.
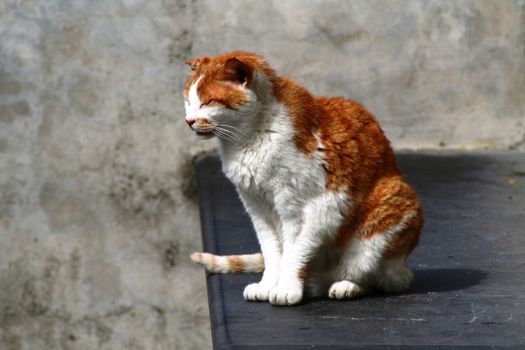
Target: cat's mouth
203 127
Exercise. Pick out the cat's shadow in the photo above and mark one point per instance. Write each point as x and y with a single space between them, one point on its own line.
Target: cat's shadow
445 280
428 281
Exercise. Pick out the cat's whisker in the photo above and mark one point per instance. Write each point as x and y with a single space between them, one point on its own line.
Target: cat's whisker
222 134
230 126
218 134
230 133
231 129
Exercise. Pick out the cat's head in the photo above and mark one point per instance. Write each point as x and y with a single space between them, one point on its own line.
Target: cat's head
224 93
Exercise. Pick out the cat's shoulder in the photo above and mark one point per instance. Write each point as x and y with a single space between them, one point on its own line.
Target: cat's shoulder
344 111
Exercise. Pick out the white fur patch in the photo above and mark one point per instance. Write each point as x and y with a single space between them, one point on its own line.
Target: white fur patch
193 103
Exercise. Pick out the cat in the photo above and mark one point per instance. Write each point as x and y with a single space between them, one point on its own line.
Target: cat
332 212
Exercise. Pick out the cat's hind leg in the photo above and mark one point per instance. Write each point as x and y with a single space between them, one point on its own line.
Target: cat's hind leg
394 276
388 232
346 290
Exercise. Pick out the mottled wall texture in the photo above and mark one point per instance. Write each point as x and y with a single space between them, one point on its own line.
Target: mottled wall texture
97 199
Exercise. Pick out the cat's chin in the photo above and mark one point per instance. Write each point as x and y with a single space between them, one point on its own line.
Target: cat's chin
205 135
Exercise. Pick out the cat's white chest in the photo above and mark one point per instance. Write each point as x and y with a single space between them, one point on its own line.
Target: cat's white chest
252 168
271 168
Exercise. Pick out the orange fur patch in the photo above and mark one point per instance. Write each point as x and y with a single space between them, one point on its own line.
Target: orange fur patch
213 262
222 76
303 273
305 113
212 92
235 263
203 124
403 243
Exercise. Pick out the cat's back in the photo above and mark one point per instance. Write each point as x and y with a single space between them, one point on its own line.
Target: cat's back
343 117
353 143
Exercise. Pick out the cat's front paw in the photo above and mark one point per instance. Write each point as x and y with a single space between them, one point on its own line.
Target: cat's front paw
286 296
257 292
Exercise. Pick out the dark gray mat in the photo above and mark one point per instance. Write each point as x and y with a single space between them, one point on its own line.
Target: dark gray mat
469 287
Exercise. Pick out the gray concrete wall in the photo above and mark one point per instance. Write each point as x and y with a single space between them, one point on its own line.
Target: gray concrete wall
97 199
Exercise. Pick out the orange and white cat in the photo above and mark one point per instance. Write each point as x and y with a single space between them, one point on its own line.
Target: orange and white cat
326 196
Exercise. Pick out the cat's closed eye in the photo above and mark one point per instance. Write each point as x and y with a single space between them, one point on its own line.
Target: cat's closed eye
209 102
215 102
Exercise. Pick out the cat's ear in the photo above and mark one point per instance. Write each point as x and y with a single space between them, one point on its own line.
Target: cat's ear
195 62
237 71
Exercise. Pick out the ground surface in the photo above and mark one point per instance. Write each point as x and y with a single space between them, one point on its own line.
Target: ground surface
469 279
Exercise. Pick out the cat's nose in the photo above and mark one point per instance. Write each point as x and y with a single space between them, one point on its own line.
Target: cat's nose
190 122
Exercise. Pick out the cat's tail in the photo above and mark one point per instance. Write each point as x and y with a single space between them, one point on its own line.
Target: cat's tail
230 263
